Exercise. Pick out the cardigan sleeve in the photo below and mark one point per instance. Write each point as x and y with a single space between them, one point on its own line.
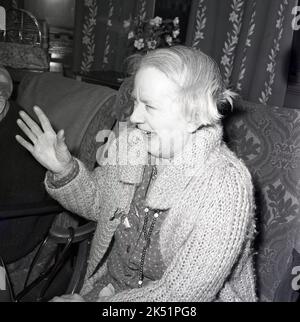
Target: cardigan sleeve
82 194
202 265
55 181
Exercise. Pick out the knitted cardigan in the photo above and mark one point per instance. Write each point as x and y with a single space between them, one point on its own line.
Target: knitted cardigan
207 236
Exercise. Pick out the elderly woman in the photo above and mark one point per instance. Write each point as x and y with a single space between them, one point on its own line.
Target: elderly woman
178 230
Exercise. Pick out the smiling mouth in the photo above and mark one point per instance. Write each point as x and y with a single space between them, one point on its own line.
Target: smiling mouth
145 132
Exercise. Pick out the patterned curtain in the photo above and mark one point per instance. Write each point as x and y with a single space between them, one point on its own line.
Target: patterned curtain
100 35
251 40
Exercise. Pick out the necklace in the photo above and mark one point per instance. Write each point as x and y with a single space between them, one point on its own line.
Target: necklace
147 236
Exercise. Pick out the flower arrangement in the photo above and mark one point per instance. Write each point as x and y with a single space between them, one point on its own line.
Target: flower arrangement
145 35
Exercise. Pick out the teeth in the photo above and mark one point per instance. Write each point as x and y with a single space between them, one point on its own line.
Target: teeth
146 132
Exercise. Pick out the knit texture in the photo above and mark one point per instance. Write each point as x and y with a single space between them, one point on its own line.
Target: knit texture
206 238
124 260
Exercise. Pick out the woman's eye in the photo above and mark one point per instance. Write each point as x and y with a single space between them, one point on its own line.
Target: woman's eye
149 107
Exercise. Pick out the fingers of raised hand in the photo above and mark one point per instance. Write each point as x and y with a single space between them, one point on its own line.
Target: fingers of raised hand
24 143
33 127
61 141
27 131
46 125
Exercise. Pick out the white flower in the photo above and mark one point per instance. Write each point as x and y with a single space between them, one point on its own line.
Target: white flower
176 33
235 39
126 23
139 44
169 40
199 35
233 17
270 67
279 23
152 44
225 60
176 21
86 40
131 35
157 21
93 22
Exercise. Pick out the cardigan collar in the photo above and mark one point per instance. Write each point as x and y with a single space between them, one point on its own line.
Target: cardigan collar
174 175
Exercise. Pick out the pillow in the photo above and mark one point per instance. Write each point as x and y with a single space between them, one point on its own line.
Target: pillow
289 287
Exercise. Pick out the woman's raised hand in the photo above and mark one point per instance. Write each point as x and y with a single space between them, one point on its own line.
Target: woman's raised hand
47 147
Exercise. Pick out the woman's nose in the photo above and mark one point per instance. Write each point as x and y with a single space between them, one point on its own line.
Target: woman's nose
138 114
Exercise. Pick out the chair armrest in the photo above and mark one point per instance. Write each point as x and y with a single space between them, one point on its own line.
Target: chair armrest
61 235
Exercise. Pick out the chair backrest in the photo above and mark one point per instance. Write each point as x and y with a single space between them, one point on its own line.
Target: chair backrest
81 109
268 140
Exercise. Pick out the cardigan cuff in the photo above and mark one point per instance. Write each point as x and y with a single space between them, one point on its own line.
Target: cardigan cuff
55 183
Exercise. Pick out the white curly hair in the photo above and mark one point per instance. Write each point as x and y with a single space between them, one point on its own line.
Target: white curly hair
200 86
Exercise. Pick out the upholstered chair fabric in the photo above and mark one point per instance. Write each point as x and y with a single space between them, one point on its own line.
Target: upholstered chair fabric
268 140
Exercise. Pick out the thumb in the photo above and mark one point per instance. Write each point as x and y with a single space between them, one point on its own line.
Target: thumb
61 137
61 140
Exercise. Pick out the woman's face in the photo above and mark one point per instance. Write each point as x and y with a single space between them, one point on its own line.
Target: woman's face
158 114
